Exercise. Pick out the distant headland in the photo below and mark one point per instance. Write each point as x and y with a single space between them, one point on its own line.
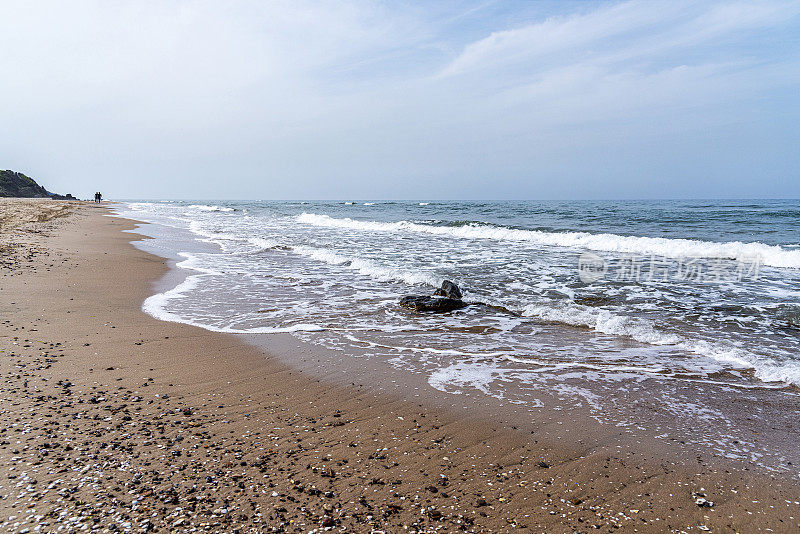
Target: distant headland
16 184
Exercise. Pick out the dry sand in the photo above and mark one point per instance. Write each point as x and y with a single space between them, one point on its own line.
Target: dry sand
114 421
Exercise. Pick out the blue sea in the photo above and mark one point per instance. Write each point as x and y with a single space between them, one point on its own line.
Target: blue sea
704 292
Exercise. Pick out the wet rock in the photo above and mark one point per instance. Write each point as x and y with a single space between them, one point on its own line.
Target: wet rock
449 290
431 304
446 298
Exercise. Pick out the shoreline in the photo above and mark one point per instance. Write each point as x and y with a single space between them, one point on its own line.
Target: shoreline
740 422
234 435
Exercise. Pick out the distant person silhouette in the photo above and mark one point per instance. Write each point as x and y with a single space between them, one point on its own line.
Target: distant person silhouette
98 197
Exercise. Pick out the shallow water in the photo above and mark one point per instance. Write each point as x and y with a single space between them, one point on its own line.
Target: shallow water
703 292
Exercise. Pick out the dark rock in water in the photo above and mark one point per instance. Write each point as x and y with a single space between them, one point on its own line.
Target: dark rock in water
447 298
423 303
449 290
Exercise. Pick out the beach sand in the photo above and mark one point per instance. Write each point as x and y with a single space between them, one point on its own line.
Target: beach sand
114 421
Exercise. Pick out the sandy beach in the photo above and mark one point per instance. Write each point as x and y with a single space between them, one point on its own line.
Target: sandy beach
115 421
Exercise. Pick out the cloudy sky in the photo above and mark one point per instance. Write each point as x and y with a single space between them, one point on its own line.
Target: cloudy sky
409 100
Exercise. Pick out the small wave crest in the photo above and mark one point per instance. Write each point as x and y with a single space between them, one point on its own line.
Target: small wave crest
644 331
602 321
205 207
367 267
263 244
770 255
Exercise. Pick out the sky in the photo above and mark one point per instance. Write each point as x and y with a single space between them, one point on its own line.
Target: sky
402 100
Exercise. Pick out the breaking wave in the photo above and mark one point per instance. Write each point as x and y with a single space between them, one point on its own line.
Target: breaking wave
643 331
367 267
205 207
770 255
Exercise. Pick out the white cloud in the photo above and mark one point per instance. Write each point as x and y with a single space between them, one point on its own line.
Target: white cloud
562 34
366 91
625 61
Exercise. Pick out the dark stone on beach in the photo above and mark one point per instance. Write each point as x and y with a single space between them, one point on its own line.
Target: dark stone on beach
56 196
423 303
435 514
449 290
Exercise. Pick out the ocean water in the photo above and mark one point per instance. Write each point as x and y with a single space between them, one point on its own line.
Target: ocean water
704 292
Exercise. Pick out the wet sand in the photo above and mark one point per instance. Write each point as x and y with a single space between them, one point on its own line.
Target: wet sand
114 421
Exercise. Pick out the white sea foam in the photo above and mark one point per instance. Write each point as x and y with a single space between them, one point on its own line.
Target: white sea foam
770 255
459 376
159 305
139 206
704 353
197 228
205 207
194 263
642 330
367 267
263 244
602 321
